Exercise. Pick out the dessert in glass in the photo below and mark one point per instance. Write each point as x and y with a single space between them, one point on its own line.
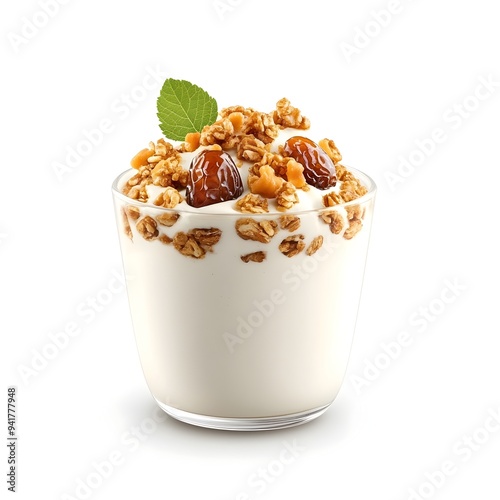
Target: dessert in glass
244 248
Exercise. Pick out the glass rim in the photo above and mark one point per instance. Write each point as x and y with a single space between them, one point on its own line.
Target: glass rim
367 181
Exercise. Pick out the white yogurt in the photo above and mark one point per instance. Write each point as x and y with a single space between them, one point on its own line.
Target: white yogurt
223 338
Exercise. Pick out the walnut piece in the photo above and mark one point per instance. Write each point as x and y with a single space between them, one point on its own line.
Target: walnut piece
292 245
196 242
206 237
315 245
262 126
277 161
335 220
253 204
166 240
135 187
221 132
188 246
286 196
251 149
168 198
169 172
332 199
147 228
167 219
355 226
355 216
133 212
254 257
289 222
288 116
354 212
250 229
352 189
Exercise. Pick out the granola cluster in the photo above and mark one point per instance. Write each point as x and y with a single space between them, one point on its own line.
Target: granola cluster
275 174
195 243
263 231
160 165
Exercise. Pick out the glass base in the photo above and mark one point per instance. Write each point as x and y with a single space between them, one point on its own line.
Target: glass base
242 423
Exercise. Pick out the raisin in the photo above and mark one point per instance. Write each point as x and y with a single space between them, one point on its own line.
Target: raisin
319 169
213 178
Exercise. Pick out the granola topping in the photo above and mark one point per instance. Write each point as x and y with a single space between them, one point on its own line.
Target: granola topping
244 161
315 245
167 219
289 222
147 228
197 242
259 256
251 229
292 245
252 204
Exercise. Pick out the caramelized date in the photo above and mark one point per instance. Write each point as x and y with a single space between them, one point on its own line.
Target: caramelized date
213 178
319 169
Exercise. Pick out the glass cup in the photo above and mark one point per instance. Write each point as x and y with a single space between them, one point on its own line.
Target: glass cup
244 321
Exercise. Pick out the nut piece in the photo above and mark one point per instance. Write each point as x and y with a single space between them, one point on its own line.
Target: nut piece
262 126
332 199
188 246
167 219
197 241
286 196
147 228
166 240
207 238
335 220
133 212
277 161
315 245
352 189
252 203
169 198
355 218
221 132
354 228
135 187
289 222
251 149
354 212
250 229
292 245
169 172
254 257
288 116
343 174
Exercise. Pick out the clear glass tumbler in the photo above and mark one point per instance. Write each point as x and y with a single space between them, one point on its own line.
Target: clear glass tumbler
244 321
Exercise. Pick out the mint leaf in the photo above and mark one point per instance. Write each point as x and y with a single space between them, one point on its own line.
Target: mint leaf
183 108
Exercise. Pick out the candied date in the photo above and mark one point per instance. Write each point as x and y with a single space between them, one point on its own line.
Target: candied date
213 178
319 169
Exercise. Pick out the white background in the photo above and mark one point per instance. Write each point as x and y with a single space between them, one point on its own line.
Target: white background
58 242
